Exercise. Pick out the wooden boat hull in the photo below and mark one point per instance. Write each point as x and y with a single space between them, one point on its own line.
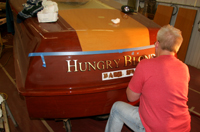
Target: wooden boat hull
62 74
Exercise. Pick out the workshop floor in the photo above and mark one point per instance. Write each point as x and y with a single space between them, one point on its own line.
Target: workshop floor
17 103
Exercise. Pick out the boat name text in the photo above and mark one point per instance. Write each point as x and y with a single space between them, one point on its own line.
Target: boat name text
128 60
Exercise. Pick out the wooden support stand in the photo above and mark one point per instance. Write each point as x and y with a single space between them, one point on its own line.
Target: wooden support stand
4 118
4 125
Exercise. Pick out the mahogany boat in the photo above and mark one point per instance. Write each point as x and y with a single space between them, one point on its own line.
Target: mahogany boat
81 64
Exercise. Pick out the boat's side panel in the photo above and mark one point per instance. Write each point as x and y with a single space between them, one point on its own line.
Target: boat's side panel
24 42
70 72
70 85
74 105
153 35
78 93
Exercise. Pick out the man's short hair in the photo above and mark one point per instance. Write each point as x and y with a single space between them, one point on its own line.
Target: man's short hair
170 38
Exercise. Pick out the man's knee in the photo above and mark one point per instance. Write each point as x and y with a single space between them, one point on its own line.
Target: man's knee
118 105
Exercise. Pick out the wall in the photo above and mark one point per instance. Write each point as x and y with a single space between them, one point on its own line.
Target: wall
193 53
182 2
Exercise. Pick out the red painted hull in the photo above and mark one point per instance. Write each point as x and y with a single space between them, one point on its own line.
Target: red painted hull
59 80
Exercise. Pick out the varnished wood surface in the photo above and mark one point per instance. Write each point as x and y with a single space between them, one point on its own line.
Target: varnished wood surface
184 22
42 33
163 15
96 31
73 106
42 86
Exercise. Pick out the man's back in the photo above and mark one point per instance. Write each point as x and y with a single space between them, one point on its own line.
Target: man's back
163 82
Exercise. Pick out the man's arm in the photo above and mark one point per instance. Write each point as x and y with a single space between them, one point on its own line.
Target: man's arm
132 96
